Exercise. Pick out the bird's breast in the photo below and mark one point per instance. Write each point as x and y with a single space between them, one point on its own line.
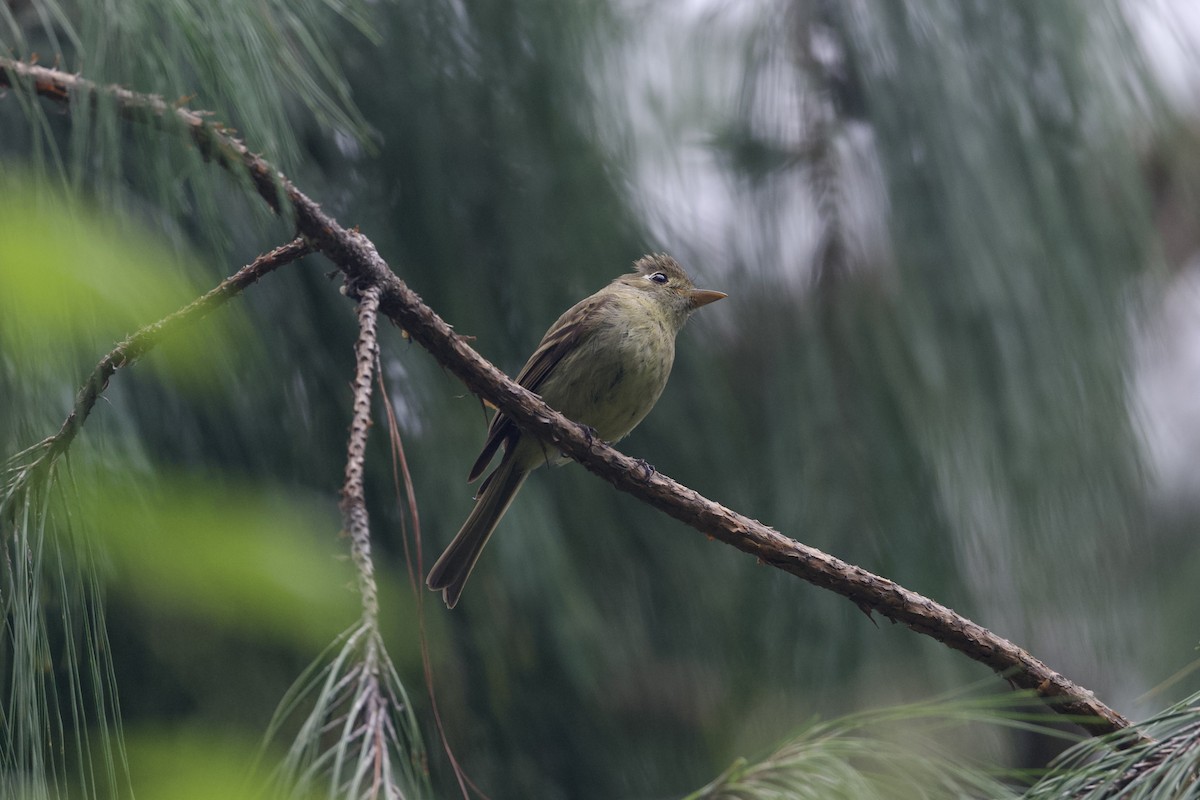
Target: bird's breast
618 374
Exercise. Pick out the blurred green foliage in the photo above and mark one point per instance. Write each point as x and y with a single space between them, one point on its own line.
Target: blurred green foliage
931 219
194 763
237 555
74 279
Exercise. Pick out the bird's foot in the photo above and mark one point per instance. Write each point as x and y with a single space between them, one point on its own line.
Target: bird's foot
646 468
589 433
351 287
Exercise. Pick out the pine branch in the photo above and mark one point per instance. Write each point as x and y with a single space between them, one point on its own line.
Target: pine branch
365 703
354 503
369 732
1163 760
363 267
47 451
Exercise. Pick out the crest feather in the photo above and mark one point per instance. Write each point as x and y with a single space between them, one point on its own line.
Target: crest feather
659 262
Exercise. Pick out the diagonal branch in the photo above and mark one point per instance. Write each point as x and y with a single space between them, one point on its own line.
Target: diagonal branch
358 259
147 338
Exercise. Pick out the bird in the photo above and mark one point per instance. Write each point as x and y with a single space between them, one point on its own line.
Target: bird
603 364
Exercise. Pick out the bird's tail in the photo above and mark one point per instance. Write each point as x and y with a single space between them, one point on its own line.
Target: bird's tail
455 565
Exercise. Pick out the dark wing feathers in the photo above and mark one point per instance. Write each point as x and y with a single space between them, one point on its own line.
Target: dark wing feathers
496 435
563 336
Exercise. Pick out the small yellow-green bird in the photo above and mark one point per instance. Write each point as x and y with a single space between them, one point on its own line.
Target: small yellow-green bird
603 364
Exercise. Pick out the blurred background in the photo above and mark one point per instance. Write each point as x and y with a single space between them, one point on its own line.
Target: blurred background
961 349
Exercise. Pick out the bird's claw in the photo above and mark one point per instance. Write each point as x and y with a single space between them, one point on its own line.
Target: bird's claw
589 433
350 287
646 467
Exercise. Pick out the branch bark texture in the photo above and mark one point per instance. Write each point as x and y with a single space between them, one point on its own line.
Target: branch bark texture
358 259
354 501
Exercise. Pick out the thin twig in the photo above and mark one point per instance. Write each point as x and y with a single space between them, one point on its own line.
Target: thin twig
45 452
357 257
414 561
371 707
354 504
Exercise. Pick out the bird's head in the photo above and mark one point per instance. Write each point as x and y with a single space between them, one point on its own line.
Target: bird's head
663 278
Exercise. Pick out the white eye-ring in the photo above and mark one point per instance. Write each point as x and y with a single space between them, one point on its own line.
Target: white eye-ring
658 277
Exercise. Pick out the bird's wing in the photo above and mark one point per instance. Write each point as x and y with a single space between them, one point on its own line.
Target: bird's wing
564 335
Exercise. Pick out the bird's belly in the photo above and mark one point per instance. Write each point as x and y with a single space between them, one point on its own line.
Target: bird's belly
618 398
618 387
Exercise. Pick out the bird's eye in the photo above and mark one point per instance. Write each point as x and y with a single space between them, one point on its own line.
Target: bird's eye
659 277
